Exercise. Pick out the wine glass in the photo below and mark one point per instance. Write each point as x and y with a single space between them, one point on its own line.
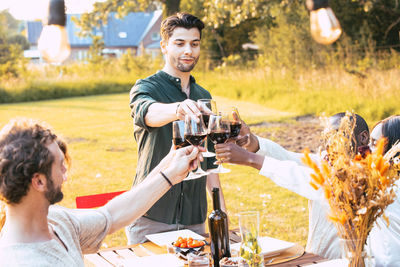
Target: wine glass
219 131
207 107
178 134
232 115
179 141
195 133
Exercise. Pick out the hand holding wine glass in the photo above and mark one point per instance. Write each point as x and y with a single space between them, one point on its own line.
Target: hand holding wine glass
187 107
181 162
195 133
219 131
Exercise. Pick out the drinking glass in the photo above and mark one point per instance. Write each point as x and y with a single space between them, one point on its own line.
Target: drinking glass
195 133
178 134
201 259
179 141
249 224
218 132
232 115
207 108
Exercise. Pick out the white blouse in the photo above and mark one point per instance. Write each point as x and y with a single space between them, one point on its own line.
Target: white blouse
286 170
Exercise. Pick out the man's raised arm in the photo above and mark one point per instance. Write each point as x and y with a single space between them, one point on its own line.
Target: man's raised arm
160 114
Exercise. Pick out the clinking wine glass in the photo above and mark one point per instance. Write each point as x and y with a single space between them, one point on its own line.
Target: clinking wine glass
232 115
179 141
207 108
219 131
178 134
195 134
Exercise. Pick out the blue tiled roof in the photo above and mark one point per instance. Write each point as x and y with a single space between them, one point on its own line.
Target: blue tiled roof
133 26
72 29
126 32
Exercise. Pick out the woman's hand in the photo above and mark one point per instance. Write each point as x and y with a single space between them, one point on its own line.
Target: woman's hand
231 153
247 139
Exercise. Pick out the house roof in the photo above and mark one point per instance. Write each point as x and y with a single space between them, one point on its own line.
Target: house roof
128 31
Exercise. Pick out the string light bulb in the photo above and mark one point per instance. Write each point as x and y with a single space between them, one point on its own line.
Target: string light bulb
325 27
53 41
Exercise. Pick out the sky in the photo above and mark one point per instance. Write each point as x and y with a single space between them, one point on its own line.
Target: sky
36 9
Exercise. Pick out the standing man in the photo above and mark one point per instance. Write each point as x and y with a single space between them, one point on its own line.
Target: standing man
156 102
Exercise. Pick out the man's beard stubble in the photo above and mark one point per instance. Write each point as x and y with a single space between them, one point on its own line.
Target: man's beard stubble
53 195
187 68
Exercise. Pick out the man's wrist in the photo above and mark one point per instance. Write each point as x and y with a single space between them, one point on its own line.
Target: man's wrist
172 176
177 110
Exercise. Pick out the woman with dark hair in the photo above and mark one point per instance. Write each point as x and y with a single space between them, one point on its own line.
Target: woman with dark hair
388 234
388 128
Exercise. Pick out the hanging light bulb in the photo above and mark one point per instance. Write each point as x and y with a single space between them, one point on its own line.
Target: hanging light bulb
325 28
53 41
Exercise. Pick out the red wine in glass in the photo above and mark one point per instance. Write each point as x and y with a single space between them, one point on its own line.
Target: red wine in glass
195 139
180 142
206 118
219 137
235 129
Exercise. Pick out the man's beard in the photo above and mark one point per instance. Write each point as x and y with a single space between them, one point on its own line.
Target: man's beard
53 195
187 68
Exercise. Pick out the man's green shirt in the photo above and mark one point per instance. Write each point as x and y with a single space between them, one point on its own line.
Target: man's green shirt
186 202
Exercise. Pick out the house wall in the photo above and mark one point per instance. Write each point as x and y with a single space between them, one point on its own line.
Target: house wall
78 53
155 29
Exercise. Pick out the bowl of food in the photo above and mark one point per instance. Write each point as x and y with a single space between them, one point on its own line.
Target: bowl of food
184 245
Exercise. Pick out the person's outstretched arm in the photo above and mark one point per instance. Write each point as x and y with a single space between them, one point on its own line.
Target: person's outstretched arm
129 206
160 114
285 173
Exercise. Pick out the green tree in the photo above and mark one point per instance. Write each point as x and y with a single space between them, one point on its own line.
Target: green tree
12 62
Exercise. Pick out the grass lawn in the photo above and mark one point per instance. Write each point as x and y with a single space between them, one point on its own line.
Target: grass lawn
99 132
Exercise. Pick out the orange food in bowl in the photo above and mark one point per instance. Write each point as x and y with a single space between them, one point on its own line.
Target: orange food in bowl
188 243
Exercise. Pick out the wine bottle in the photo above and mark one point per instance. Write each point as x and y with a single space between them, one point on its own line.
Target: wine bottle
219 231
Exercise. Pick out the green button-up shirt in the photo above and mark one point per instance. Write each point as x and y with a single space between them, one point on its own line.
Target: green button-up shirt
186 202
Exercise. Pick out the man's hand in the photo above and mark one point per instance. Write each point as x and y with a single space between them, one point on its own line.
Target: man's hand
187 107
182 161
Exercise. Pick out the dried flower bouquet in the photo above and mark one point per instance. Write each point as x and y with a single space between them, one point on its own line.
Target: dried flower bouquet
357 187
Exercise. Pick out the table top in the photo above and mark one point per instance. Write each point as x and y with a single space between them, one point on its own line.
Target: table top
112 257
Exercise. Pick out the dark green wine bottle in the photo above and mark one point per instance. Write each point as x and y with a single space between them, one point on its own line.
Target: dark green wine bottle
219 231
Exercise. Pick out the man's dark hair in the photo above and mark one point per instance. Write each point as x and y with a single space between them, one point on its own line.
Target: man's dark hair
23 152
391 130
361 124
183 20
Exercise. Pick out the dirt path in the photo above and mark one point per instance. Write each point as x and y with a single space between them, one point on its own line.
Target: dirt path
293 133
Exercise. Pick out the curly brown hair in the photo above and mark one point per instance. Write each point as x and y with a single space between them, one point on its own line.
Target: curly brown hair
184 20
23 152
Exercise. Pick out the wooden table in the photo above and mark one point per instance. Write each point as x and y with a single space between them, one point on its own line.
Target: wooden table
112 257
